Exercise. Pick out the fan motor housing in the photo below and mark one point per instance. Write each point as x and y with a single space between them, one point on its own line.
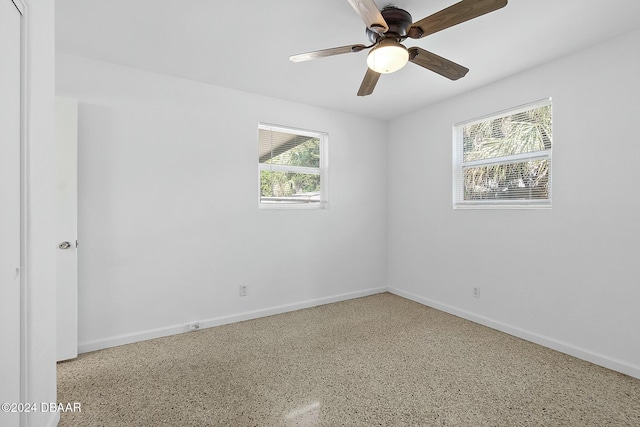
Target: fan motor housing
398 20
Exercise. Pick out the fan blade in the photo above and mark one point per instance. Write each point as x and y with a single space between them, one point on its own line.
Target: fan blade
326 52
453 15
437 64
368 83
370 15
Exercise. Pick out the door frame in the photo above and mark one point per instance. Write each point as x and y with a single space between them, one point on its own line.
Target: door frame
24 206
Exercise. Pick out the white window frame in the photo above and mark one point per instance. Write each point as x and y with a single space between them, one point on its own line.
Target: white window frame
459 164
322 170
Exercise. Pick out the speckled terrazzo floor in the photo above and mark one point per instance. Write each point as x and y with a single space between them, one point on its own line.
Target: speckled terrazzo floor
374 361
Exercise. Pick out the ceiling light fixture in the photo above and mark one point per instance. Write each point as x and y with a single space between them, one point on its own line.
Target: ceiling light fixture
388 56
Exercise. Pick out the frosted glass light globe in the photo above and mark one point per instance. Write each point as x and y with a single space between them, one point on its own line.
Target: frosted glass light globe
389 56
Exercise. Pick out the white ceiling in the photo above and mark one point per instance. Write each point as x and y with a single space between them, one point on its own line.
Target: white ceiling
245 45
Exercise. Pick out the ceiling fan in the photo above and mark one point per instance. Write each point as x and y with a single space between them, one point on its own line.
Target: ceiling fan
388 27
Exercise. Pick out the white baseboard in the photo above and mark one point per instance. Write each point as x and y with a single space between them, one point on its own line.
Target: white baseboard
88 346
581 353
563 347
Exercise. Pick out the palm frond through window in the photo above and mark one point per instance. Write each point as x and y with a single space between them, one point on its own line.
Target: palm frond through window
505 159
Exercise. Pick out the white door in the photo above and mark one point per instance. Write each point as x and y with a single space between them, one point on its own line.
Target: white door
10 125
66 125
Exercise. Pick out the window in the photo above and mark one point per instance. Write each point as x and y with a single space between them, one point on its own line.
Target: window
504 160
292 167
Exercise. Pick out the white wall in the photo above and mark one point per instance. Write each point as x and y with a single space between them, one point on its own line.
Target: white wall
566 277
169 224
40 369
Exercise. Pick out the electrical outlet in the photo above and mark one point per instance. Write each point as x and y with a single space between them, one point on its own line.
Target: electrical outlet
476 292
194 326
243 290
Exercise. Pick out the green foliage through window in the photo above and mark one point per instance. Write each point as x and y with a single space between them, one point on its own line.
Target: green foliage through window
289 184
304 154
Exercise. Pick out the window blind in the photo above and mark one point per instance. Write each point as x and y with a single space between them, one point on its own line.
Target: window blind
273 144
504 159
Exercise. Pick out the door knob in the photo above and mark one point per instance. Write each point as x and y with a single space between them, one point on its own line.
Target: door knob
64 245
